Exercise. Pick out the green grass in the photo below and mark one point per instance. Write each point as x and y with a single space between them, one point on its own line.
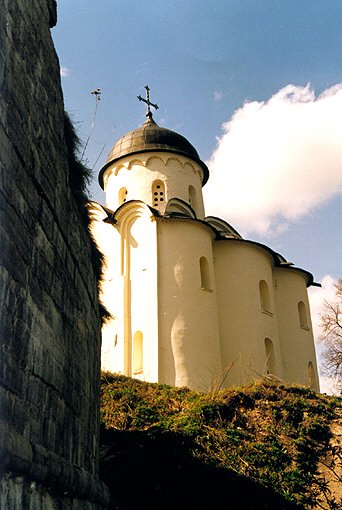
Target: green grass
271 433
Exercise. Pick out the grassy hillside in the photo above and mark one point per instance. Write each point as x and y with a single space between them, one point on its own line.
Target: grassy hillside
254 447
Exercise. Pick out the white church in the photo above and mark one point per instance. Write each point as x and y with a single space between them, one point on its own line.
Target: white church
192 302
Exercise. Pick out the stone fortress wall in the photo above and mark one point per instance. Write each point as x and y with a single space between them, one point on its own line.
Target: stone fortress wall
49 316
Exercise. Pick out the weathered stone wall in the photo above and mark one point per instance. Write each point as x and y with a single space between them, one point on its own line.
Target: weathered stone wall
49 318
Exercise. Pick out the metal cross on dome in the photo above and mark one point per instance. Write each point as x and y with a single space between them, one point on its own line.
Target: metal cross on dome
148 102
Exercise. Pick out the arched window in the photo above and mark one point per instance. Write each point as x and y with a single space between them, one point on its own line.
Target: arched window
270 359
311 375
303 318
137 352
205 274
122 195
158 193
192 198
264 296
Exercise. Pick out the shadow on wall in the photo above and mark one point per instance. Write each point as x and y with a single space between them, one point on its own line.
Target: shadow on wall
154 470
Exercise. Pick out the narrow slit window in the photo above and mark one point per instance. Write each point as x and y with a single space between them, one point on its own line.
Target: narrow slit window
302 314
264 292
137 352
122 195
311 375
192 198
158 193
205 273
270 359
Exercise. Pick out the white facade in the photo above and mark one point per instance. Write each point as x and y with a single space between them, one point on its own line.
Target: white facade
192 303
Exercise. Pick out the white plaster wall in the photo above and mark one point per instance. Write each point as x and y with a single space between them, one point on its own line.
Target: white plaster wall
191 336
239 267
108 241
137 173
143 297
297 343
129 289
189 352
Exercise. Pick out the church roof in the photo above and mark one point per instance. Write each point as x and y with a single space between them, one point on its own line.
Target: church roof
151 137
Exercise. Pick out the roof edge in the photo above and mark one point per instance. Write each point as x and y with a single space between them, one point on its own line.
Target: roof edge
309 276
173 151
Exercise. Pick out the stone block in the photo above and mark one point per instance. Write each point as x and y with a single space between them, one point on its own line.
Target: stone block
50 365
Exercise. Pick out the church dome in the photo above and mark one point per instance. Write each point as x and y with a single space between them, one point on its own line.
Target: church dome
151 137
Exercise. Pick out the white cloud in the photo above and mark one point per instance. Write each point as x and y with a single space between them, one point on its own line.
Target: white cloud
217 95
64 72
328 386
277 159
317 296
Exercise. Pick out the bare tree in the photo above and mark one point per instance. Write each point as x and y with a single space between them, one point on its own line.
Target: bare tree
331 324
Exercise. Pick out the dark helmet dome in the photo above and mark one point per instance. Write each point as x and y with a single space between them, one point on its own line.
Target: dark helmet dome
151 137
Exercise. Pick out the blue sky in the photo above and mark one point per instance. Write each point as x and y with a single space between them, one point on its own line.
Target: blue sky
211 62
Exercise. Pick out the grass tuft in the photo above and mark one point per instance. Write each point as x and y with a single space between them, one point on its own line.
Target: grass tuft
272 433
80 177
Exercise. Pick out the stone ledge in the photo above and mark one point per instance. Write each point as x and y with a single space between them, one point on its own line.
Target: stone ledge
21 457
